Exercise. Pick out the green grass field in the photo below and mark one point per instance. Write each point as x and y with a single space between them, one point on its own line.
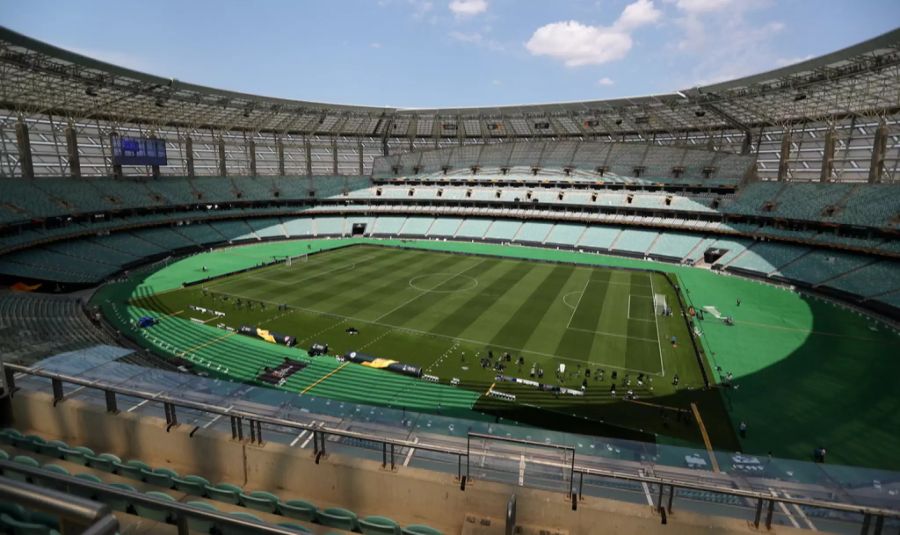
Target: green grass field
811 372
445 312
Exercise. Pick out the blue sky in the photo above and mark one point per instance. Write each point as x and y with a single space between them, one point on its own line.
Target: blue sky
439 53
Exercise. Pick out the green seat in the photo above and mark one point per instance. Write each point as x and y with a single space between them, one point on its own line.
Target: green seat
8 433
28 442
131 469
76 455
104 462
260 501
118 503
420 529
154 512
56 469
200 524
235 530
378 525
299 509
224 492
336 517
40 517
295 527
190 484
13 509
51 448
161 477
4 456
87 493
24 460
21 527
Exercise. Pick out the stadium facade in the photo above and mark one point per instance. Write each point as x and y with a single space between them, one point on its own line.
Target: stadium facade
789 179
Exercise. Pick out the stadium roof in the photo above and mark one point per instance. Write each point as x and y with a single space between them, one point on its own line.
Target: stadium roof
861 80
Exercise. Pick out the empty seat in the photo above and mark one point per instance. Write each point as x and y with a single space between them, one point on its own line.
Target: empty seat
200 524
336 517
378 525
76 455
260 501
224 492
23 527
161 477
131 469
420 529
118 503
154 512
191 484
299 509
86 493
295 527
51 448
105 462
24 460
7 435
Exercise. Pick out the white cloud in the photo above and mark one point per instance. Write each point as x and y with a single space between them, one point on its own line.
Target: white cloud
496 82
606 81
638 14
375 45
577 44
467 8
702 6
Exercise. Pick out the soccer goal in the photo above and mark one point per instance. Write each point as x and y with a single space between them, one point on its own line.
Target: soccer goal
660 307
300 258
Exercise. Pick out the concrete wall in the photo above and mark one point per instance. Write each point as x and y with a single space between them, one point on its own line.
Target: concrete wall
407 495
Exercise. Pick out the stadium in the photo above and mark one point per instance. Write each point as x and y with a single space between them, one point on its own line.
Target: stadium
231 313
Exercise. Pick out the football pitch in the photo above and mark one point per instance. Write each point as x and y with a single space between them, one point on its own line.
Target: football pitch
596 332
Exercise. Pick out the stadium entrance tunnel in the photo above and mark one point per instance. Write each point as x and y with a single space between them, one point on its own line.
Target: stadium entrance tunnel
801 372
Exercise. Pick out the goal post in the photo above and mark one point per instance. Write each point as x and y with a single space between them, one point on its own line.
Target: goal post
296 258
660 307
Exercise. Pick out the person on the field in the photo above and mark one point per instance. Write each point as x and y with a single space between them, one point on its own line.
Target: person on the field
675 380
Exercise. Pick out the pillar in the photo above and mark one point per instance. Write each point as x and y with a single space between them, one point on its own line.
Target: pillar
748 142
24 144
360 151
785 155
115 147
72 152
308 148
279 147
189 155
827 157
223 170
876 168
334 156
251 147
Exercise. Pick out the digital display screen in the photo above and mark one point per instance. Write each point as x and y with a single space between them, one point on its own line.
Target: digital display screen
139 151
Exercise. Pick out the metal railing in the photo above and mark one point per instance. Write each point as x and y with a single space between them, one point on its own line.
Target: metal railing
76 515
102 521
872 517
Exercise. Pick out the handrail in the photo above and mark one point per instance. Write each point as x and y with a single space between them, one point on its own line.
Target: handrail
579 469
79 505
97 518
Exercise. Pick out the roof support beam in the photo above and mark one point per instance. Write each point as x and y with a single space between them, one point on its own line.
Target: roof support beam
827 156
72 152
24 144
879 145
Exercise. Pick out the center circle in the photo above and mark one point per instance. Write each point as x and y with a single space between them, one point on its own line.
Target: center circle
443 283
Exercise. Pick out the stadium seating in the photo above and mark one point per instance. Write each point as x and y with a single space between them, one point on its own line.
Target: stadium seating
820 266
673 245
534 232
870 280
764 258
635 241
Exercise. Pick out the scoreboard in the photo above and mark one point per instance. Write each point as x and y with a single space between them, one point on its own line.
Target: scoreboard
139 151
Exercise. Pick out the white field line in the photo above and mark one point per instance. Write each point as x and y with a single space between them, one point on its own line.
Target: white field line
578 303
662 366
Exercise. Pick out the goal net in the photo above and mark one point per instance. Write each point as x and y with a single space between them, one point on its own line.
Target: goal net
660 307
297 258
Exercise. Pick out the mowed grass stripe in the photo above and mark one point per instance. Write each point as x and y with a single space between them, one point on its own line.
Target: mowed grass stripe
401 315
387 292
578 344
459 311
296 284
531 313
316 265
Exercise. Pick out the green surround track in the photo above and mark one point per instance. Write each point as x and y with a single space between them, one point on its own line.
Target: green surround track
810 372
